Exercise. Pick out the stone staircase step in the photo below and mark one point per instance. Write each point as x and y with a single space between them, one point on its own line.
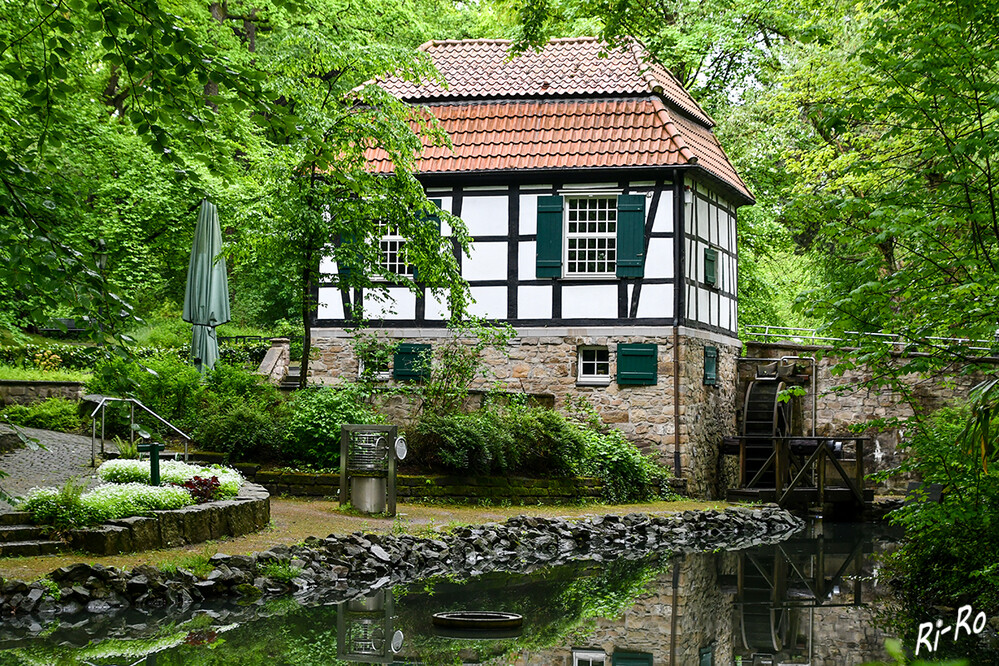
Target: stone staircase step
30 548
15 518
12 533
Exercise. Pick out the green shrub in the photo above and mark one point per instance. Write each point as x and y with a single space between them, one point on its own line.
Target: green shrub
948 557
164 383
312 433
627 474
533 441
52 414
242 430
231 382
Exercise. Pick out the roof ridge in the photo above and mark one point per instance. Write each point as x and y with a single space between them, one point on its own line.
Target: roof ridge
496 40
673 131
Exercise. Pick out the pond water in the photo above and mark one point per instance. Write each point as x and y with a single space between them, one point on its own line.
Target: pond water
809 600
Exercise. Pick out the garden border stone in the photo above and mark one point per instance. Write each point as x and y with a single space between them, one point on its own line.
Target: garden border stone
248 511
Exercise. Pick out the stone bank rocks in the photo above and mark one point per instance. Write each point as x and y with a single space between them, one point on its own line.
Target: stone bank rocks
341 567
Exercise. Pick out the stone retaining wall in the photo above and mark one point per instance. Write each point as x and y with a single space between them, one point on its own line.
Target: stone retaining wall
15 392
248 512
470 489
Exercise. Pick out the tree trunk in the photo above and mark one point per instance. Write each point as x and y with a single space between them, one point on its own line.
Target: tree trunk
307 274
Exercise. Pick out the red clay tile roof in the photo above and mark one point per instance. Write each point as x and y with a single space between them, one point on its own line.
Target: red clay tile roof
578 66
562 108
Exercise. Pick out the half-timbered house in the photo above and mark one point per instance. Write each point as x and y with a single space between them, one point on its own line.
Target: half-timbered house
603 212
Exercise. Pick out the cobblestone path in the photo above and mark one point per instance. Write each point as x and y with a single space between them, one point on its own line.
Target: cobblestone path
66 456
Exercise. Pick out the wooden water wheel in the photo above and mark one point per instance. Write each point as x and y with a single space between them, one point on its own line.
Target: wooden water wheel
764 419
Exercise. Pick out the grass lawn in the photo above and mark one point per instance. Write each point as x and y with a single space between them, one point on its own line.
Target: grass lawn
292 520
35 375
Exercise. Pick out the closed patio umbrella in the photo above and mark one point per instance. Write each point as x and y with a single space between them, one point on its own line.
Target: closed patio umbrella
206 299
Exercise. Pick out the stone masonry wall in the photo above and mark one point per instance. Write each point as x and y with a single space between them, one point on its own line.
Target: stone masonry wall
842 401
707 414
24 393
545 366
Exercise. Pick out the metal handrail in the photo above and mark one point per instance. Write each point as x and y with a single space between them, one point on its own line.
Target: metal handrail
102 403
767 333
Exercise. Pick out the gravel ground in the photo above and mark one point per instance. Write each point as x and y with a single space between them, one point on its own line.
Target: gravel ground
64 457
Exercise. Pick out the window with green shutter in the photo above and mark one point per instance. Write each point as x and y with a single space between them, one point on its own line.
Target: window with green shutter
630 235
710 366
411 361
637 364
631 659
711 267
549 263
706 657
591 236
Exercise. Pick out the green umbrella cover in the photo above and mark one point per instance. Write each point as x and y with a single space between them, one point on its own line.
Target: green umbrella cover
206 299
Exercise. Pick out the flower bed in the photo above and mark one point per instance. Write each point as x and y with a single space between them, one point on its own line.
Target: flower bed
126 493
171 471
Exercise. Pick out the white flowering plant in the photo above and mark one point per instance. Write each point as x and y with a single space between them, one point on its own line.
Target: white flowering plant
171 471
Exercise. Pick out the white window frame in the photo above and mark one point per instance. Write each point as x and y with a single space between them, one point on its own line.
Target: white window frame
608 237
390 234
383 376
583 379
591 657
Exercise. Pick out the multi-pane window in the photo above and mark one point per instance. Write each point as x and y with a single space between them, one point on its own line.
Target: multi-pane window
594 365
589 658
392 246
591 236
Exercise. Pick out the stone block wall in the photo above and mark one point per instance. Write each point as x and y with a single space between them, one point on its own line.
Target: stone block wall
24 393
543 363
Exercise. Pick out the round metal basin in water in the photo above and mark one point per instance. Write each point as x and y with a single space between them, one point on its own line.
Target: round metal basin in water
477 624
478 620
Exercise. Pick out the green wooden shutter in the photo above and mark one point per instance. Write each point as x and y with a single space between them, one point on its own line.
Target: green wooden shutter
435 220
711 266
637 364
710 366
549 237
630 235
410 361
631 659
707 657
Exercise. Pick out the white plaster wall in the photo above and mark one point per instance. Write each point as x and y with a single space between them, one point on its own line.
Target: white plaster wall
527 261
655 300
330 304
663 222
534 302
485 215
598 301
436 308
487 261
399 304
529 214
659 261
490 302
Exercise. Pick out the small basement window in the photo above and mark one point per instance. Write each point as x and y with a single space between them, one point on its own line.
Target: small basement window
594 366
589 658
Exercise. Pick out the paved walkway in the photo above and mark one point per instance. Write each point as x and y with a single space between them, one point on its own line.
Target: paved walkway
65 456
